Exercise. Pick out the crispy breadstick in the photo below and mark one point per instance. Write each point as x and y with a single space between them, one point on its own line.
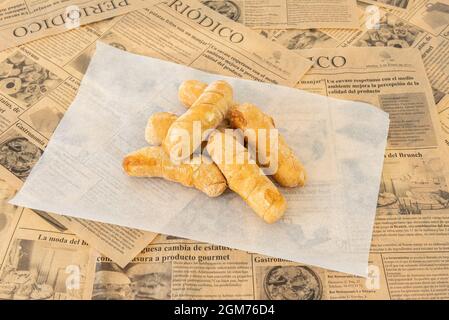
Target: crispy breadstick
290 171
154 162
208 111
189 91
244 178
159 123
157 127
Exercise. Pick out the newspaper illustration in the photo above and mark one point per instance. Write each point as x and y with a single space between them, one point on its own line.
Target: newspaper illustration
36 271
299 39
285 14
43 263
393 4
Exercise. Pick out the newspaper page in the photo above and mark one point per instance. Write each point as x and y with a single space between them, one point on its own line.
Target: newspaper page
285 14
189 33
39 80
22 21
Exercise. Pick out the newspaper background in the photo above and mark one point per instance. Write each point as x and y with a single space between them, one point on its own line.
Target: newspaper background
409 252
22 21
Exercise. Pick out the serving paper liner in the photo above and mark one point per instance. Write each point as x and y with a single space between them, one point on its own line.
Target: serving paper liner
328 223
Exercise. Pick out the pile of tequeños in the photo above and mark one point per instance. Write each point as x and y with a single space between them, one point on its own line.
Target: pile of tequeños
218 165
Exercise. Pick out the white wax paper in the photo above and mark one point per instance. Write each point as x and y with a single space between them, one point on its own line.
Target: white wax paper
328 223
